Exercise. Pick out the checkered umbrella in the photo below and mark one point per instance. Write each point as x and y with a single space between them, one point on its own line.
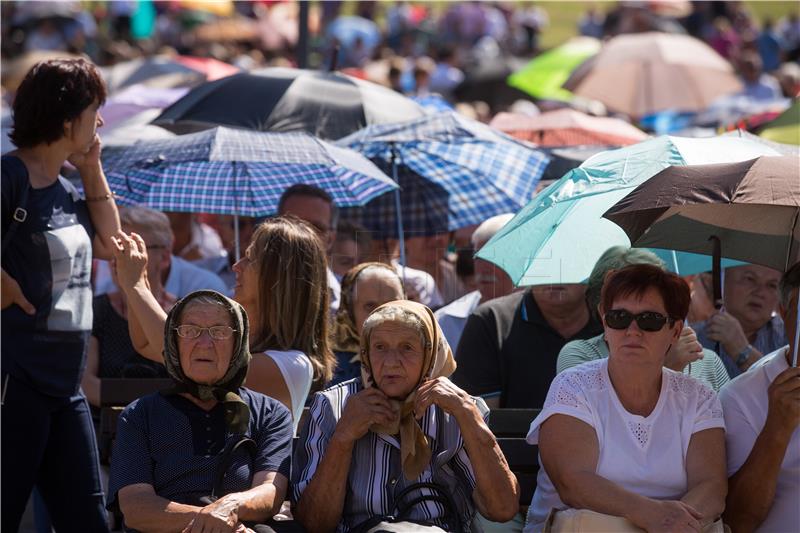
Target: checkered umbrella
452 172
238 172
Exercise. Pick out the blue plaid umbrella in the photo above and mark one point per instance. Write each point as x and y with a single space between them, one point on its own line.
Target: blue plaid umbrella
453 172
238 172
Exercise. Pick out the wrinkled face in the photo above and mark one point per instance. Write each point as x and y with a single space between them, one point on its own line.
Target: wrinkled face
396 355
83 130
344 256
633 345
316 212
751 294
246 289
560 295
205 360
373 289
491 280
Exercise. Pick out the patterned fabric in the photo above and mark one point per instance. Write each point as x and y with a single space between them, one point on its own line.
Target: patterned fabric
226 171
375 474
452 172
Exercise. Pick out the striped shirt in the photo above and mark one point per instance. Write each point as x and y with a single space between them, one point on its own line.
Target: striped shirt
375 474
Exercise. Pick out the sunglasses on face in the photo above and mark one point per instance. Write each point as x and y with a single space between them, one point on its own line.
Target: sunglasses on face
647 321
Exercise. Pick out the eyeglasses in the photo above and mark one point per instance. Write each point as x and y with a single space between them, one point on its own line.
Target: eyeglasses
218 333
647 321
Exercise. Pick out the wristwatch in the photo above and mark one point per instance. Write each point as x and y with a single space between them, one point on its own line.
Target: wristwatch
741 358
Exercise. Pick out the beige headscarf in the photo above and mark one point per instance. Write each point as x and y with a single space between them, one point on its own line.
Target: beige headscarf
415 451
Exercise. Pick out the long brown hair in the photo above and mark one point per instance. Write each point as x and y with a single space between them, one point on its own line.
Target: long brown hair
293 301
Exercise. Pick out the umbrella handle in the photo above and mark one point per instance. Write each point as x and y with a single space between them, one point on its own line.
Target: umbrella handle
716 270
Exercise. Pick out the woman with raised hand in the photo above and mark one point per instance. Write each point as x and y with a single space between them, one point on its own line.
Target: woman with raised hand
281 283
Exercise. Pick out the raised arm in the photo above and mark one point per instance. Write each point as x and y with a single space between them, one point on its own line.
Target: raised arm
570 452
496 492
99 200
146 318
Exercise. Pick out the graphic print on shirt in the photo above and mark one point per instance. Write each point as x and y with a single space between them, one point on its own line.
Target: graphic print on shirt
71 267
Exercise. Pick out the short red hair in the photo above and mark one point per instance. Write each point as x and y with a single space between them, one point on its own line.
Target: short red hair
638 279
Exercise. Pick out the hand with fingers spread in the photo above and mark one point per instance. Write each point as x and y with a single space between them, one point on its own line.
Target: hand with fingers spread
130 260
444 393
783 414
367 407
685 351
222 516
668 516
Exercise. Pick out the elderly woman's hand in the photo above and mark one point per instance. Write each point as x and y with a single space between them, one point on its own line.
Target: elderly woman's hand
685 351
668 516
222 516
130 259
367 407
444 393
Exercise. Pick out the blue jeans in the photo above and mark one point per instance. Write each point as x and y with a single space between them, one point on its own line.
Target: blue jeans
49 442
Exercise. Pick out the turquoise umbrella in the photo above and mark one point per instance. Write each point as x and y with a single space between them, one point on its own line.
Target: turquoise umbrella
559 235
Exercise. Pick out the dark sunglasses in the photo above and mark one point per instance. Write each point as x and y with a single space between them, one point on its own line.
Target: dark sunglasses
647 321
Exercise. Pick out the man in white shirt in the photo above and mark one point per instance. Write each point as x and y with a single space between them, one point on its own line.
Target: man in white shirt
492 283
762 415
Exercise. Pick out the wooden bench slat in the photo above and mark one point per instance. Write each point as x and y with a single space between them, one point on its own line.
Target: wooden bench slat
122 391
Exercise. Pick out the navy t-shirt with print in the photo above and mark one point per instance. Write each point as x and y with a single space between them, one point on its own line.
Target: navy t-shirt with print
50 256
173 445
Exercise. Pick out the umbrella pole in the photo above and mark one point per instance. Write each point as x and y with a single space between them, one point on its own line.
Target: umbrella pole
400 235
716 270
236 216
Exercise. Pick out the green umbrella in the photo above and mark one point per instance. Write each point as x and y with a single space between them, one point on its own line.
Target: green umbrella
786 128
543 76
558 236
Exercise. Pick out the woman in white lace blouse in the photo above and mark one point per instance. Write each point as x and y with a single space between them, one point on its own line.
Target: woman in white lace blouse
624 437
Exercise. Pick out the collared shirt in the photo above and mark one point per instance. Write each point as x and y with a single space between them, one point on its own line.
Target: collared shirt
769 338
375 474
508 348
453 317
745 402
175 446
184 277
335 291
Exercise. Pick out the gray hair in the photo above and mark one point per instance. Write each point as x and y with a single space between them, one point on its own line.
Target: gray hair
205 299
488 228
790 281
615 258
154 222
404 317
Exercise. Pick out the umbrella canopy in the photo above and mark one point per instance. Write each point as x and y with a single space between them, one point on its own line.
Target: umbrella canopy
238 172
327 104
558 237
753 207
452 171
157 71
567 127
644 73
785 128
544 75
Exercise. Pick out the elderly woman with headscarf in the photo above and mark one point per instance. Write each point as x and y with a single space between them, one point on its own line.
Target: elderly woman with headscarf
179 449
364 287
402 423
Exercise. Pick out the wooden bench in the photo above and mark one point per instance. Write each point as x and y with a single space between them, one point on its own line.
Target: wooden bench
115 394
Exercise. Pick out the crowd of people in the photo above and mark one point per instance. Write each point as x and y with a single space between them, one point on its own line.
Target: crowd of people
320 383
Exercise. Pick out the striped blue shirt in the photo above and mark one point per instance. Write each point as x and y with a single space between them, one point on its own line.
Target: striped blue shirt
375 475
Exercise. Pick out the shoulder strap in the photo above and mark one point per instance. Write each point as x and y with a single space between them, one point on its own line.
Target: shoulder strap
227 459
20 188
